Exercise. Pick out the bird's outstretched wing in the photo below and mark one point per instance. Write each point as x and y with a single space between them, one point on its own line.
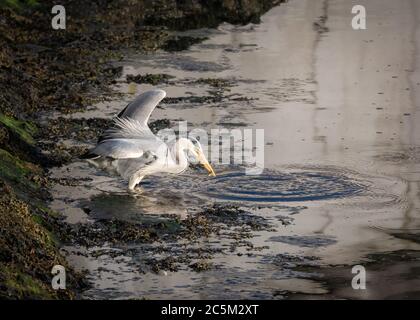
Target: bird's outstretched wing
116 149
128 128
142 107
135 115
130 137
127 139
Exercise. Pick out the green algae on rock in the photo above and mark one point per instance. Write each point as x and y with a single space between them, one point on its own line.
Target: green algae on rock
27 253
24 129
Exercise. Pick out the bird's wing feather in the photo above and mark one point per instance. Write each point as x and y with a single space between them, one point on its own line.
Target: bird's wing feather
118 149
130 136
141 108
127 128
128 141
132 120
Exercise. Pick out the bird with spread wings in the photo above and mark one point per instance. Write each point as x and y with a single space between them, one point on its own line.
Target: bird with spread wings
131 150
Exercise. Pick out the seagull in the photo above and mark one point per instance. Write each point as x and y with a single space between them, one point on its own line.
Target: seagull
130 149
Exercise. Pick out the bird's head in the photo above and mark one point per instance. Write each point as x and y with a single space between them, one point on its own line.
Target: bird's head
195 148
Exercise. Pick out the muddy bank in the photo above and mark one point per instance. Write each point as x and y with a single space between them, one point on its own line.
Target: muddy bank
44 71
161 238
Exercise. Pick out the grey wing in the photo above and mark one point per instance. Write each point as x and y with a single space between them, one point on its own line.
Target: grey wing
142 106
118 149
126 148
130 136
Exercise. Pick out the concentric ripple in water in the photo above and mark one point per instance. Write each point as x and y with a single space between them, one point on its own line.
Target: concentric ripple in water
273 186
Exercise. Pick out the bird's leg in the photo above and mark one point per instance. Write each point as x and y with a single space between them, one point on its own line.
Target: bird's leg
134 181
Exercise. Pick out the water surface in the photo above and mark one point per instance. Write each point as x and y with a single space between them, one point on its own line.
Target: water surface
339 108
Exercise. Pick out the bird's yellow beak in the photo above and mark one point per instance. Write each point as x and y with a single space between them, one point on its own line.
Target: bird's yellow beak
202 159
209 168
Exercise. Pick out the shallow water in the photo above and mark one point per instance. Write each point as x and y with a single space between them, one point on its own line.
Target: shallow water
342 157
